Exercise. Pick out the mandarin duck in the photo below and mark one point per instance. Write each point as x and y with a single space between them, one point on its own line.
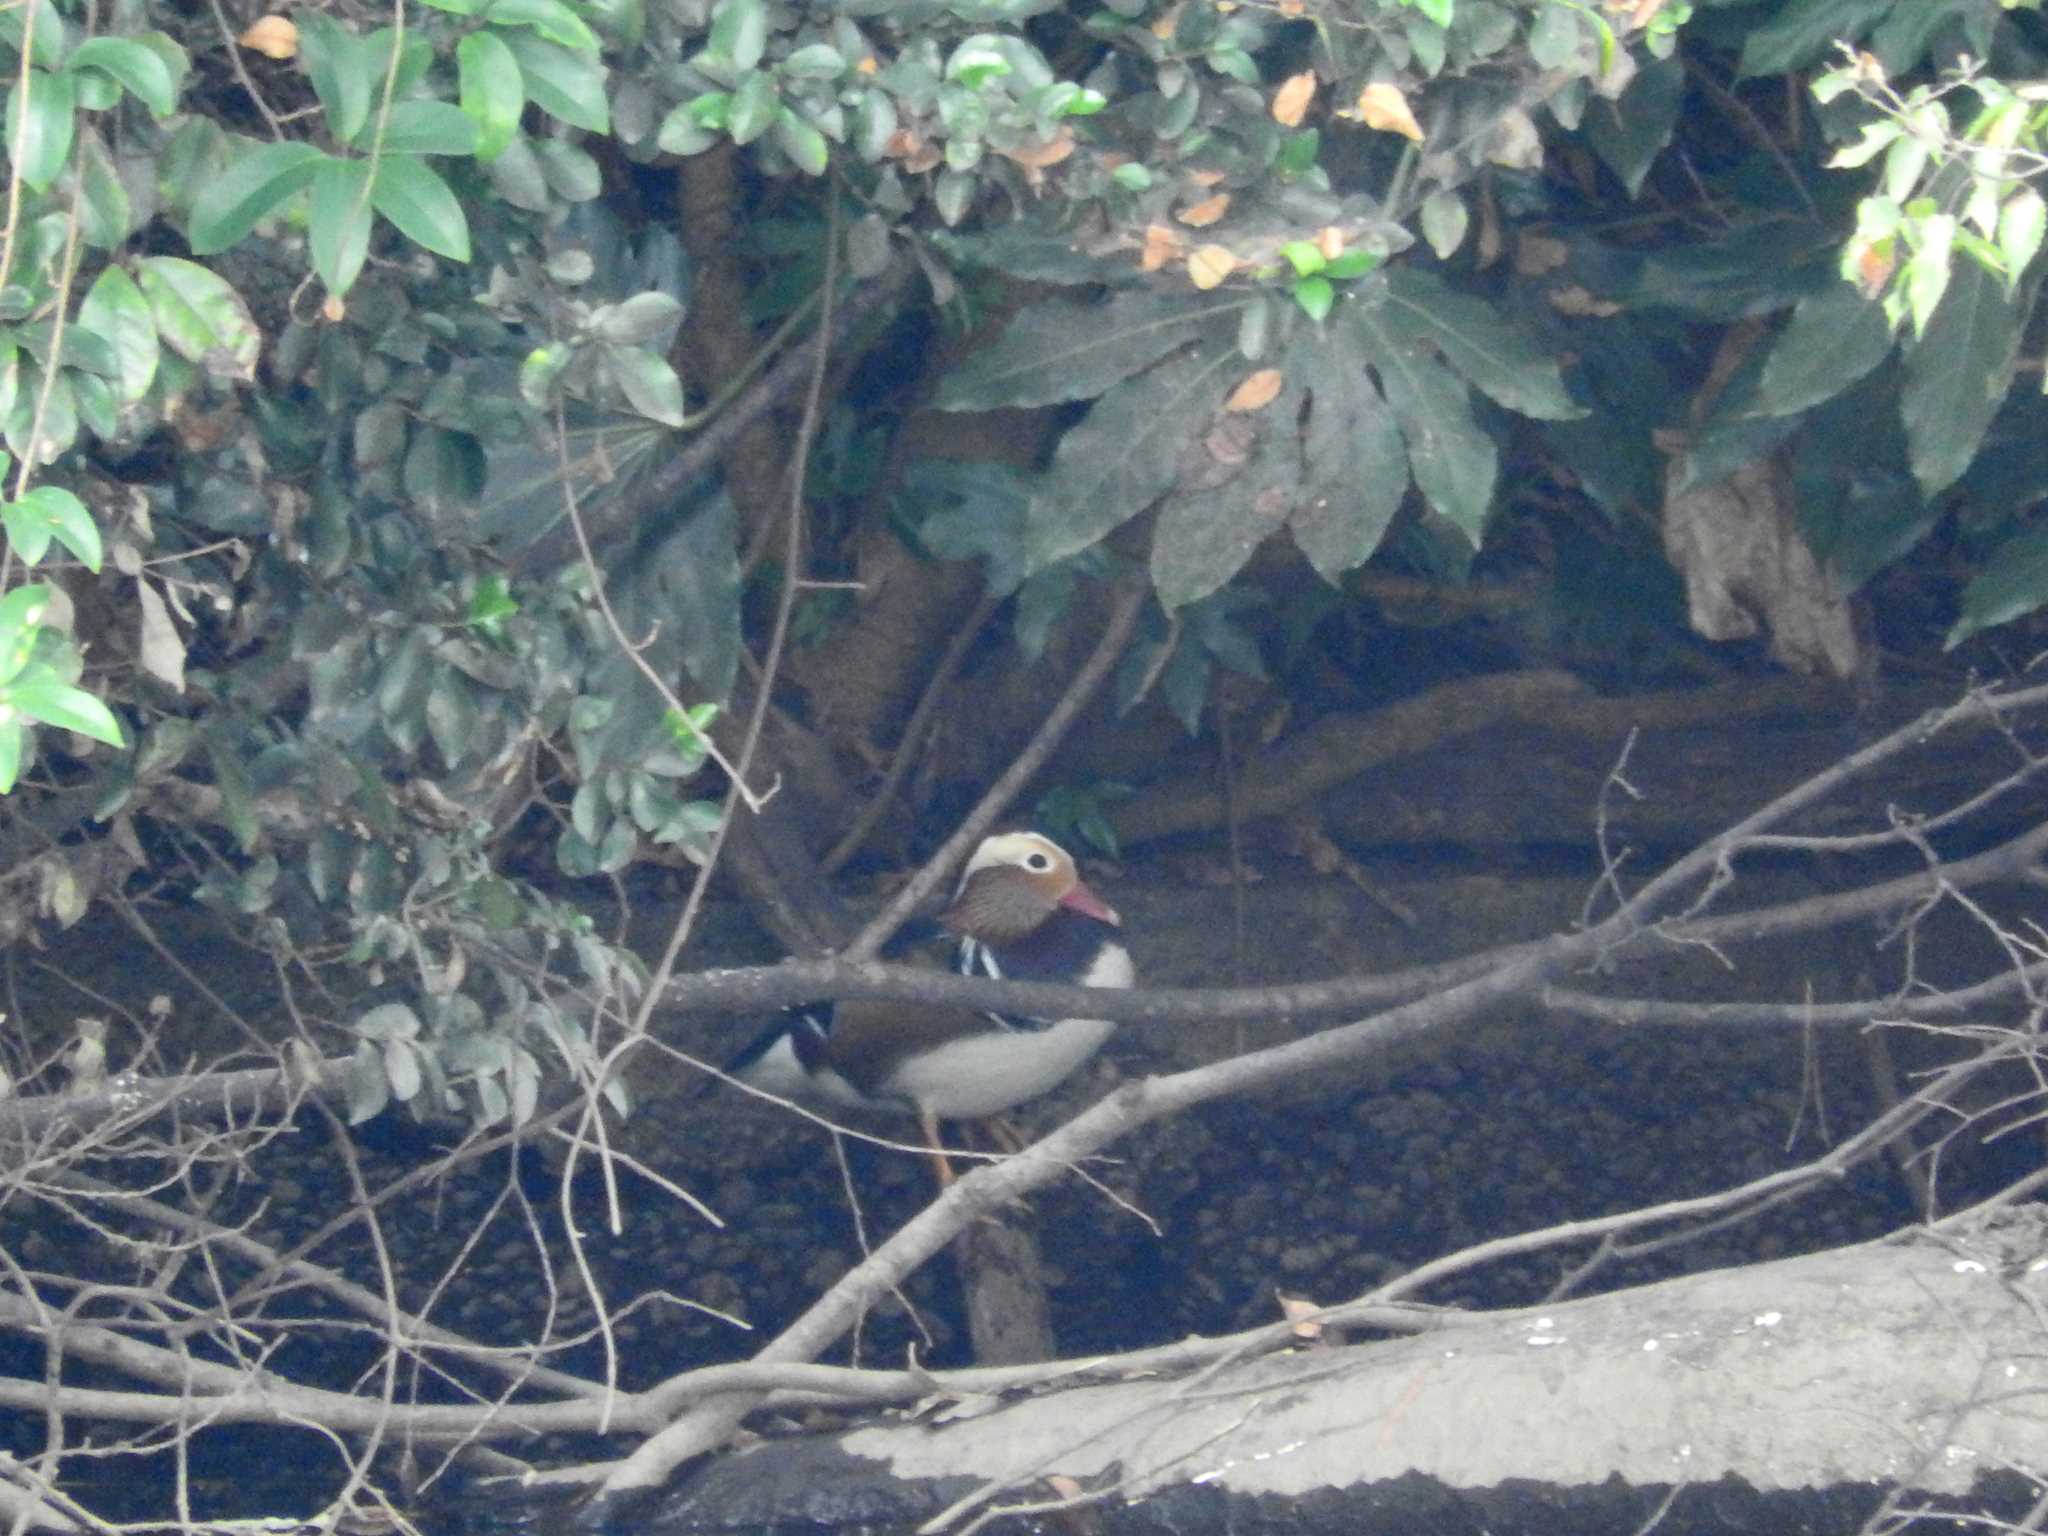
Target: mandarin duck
1022 912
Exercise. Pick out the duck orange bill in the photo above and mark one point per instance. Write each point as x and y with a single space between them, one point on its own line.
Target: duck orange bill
1081 899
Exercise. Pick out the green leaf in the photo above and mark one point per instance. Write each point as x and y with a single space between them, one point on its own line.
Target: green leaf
256 181
1315 296
1213 521
39 127
493 91
755 105
564 84
200 317
338 221
2011 584
103 207
1455 463
1066 350
342 70
51 511
1356 471
2022 221
115 308
427 128
804 145
41 695
1834 338
1802 31
418 201
964 510
682 132
1444 219
21 613
646 319
1957 374
13 736
550 18
1474 339
141 71
1629 133
739 33
814 61
1126 454
648 382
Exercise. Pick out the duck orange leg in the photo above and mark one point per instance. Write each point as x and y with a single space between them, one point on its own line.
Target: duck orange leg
942 1169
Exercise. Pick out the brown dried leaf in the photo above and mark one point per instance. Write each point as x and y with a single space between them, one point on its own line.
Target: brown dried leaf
272 36
1575 300
1210 265
1206 212
1301 1312
1290 102
1256 392
1161 246
1381 105
1041 155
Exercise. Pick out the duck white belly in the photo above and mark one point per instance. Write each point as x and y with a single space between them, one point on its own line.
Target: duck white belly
988 1072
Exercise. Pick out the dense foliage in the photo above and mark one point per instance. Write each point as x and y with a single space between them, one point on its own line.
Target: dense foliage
319 329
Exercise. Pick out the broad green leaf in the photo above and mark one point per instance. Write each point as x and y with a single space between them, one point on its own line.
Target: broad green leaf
1126 453
344 72
756 103
2021 223
338 221
1315 296
493 92
1802 31
57 428
1208 529
1455 463
2012 583
739 33
1631 132
256 182
141 71
572 174
562 83
964 510
41 695
418 201
52 36
115 308
1834 338
648 382
13 736
804 145
1064 350
21 612
40 116
1477 341
1957 374
682 134
550 18
814 61
426 128
104 213
51 511
1356 471
1444 219
200 317
646 319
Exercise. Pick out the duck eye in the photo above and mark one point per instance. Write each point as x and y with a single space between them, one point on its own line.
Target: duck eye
1038 863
